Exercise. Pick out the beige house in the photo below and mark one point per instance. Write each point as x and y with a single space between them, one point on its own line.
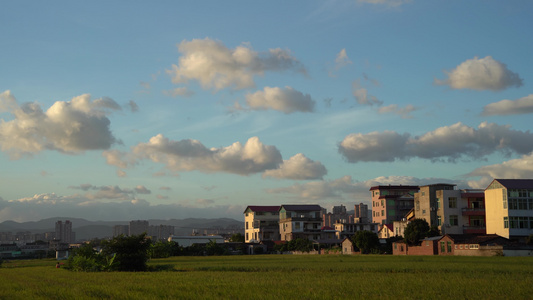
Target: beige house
386 231
344 230
461 211
261 223
509 207
300 221
391 202
426 201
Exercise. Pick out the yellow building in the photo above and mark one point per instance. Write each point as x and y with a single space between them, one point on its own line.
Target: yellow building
509 207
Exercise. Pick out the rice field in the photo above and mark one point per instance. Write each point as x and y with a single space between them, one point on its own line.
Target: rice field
282 277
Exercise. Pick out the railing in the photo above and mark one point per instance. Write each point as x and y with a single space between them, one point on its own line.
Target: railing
474 227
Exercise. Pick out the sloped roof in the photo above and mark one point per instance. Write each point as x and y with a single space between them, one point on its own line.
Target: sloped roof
262 208
478 239
301 207
327 228
516 183
389 226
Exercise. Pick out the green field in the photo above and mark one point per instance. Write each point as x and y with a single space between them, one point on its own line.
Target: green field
282 277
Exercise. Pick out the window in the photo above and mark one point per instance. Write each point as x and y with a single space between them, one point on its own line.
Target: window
297 225
454 220
504 198
449 247
439 221
382 213
423 211
505 222
442 247
246 225
247 236
452 202
438 203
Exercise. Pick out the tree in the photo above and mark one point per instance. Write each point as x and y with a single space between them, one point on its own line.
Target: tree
415 231
300 244
127 253
237 238
162 249
366 241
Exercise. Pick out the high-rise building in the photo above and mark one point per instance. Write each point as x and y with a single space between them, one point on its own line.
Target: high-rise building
361 213
121 230
64 232
138 227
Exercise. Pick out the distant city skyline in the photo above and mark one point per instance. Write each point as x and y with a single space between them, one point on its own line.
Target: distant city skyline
126 111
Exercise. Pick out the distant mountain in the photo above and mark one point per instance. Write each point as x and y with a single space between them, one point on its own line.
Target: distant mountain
86 230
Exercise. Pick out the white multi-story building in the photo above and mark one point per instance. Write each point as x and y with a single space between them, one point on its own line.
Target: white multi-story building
300 221
509 207
261 223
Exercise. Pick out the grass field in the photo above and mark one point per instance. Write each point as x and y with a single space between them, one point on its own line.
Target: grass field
282 277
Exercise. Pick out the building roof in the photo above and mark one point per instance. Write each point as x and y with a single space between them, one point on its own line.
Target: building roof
262 208
301 207
327 228
516 183
478 239
389 226
394 187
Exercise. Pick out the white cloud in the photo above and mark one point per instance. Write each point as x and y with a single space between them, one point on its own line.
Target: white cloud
481 74
448 142
189 155
374 146
405 112
298 167
216 67
286 100
511 169
71 127
523 105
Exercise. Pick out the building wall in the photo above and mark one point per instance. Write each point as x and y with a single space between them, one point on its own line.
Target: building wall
255 224
481 251
496 209
426 204
445 246
444 211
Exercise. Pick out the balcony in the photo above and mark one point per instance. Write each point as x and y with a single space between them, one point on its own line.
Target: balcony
473 211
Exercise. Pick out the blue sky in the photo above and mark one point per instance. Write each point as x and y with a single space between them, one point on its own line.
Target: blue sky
133 110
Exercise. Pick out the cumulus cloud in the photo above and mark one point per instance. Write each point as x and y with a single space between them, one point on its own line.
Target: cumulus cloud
510 107
298 167
511 169
216 67
189 155
404 112
286 100
69 127
481 74
448 142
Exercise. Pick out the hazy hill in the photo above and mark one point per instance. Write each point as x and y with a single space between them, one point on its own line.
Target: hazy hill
100 229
